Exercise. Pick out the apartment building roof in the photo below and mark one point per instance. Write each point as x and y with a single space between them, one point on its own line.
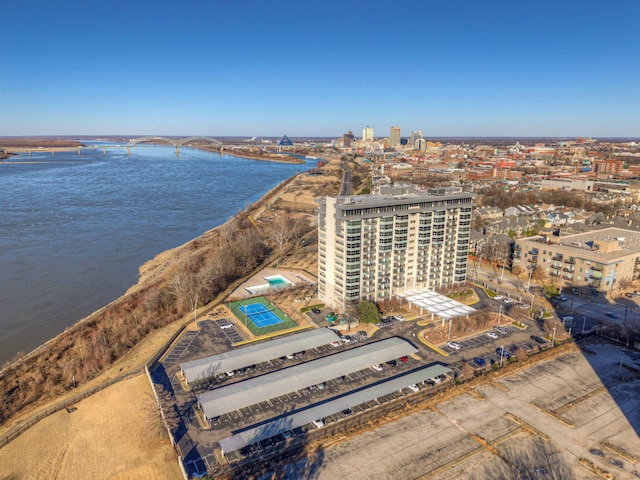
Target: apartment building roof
603 245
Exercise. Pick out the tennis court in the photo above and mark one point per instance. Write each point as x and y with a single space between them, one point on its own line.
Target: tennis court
260 315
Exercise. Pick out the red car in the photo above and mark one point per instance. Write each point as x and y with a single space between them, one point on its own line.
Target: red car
404 359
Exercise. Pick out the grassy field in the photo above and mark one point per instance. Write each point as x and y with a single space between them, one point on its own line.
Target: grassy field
107 436
252 327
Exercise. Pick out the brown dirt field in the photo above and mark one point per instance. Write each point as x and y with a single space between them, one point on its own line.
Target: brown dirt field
104 438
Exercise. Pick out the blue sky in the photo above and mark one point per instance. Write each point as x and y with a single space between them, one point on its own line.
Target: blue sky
266 68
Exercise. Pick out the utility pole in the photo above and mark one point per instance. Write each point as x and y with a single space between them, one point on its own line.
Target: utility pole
553 338
499 314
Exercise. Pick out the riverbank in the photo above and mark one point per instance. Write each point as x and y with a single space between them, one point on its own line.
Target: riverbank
91 339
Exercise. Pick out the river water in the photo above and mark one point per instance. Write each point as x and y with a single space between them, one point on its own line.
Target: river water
75 228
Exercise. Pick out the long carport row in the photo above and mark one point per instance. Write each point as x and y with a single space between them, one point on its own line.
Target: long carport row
307 415
207 367
271 385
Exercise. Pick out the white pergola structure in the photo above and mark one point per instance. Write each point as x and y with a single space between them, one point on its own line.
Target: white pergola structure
437 304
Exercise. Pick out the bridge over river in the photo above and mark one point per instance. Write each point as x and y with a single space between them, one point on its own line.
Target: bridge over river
136 142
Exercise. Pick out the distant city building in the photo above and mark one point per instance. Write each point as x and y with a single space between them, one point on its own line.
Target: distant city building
376 246
285 142
601 259
415 135
567 183
367 134
420 144
347 139
608 166
394 137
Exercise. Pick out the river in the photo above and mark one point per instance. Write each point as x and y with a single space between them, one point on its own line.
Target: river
74 229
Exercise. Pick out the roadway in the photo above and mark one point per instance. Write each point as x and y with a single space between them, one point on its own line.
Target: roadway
586 309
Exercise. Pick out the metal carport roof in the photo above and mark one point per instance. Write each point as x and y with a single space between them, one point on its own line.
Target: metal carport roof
308 415
208 367
258 389
437 304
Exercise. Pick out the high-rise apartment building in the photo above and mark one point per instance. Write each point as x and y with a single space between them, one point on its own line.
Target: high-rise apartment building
375 246
415 136
367 134
347 139
394 136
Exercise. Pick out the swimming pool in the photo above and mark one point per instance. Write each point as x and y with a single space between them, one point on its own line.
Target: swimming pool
274 282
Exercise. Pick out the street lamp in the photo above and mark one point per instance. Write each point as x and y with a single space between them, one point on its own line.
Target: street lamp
501 354
499 314
584 322
532 297
530 273
553 338
449 335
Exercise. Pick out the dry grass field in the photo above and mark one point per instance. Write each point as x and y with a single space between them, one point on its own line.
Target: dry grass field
107 437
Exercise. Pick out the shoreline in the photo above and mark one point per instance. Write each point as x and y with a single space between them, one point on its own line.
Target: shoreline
147 273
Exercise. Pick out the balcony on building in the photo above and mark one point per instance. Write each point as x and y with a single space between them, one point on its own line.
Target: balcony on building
570 261
597 268
557 258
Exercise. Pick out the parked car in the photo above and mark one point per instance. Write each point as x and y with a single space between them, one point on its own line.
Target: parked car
404 359
508 300
363 335
346 338
567 321
335 344
392 363
562 298
319 423
501 330
503 353
414 387
347 412
610 315
492 335
316 311
377 368
224 326
454 345
399 318
539 340
498 297
479 361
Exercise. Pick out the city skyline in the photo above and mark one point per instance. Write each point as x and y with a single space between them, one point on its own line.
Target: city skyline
456 69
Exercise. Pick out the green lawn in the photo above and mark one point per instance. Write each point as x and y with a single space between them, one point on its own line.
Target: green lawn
252 327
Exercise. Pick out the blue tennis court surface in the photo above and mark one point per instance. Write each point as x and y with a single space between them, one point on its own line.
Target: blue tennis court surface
260 315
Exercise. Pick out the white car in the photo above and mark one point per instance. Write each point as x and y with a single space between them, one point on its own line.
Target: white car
454 345
498 297
224 326
508 300
399 318
335 344
414 387
318 423
377 368
492 335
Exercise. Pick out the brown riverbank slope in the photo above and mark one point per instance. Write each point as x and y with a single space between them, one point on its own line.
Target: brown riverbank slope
124 335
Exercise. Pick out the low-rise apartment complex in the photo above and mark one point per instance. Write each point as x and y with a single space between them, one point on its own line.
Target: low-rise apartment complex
601 259
375 246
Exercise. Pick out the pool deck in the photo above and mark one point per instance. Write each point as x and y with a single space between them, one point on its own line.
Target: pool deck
295 277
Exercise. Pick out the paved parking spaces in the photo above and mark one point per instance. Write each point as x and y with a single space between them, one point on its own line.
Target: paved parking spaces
180 347
231 333
477 341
